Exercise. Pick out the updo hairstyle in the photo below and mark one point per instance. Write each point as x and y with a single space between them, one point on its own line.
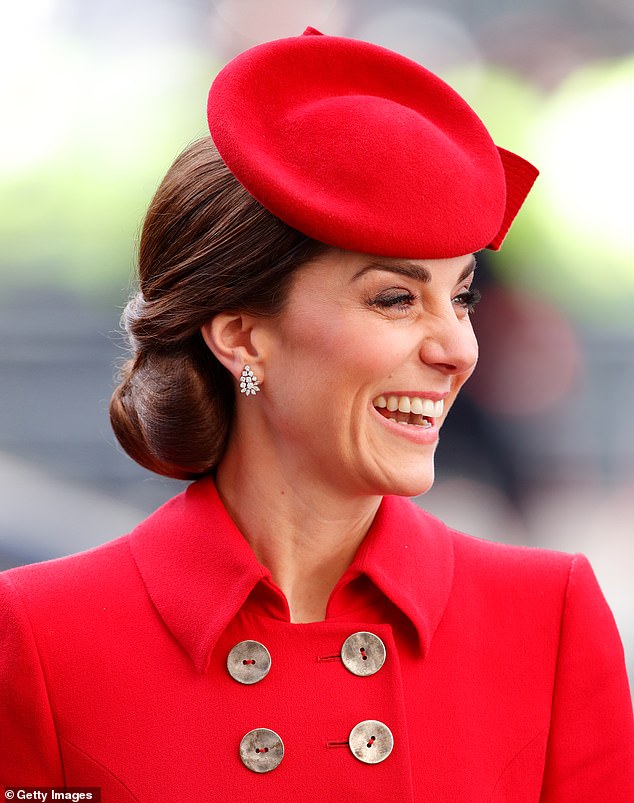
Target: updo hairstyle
207 246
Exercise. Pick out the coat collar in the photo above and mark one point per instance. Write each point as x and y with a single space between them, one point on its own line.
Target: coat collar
199 570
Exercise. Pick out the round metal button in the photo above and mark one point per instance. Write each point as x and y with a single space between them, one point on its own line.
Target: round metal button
261 750
371 741
248 662
363 654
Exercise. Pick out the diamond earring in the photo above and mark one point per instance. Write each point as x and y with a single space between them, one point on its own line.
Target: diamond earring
249 383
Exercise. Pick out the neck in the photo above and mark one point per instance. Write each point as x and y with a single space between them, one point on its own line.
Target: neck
306 535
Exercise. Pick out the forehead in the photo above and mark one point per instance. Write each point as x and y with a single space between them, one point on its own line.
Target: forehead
338 267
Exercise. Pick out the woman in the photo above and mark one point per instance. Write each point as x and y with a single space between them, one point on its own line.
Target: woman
291 627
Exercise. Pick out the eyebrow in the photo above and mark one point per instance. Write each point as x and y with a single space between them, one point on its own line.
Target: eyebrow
409 269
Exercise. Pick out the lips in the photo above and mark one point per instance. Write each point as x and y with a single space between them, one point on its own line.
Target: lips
415 411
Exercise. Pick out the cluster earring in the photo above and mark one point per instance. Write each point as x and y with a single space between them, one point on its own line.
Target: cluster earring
249 383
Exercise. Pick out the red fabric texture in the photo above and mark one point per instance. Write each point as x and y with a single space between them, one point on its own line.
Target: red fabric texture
504 678
363 149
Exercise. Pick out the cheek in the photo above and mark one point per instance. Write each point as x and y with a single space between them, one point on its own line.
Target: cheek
459 380
475 352
331 346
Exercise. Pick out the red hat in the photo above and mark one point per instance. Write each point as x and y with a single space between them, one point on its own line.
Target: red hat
363 149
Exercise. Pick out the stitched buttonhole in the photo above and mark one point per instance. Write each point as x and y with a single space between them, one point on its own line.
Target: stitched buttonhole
363 655
261 749
372 741
248 661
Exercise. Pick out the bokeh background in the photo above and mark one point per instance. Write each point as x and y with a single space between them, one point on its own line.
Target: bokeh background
97 98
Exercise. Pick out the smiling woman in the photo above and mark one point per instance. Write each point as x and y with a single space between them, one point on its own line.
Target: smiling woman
292 626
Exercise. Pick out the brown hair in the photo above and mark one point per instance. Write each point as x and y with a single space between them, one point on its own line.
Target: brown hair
206 246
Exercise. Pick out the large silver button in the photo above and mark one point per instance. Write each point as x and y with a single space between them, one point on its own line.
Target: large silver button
261 750
248 662
371 741
363 654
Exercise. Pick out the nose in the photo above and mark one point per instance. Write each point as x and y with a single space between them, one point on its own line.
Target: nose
449 343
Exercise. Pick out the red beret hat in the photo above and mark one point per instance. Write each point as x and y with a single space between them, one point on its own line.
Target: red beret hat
363 149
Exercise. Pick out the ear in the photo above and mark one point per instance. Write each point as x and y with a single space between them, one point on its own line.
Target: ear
230 338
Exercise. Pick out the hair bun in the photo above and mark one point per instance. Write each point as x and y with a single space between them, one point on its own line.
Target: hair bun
152 386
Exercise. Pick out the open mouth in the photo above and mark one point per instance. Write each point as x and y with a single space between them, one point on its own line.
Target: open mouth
414 411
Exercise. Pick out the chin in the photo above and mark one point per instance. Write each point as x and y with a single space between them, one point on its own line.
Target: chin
414 483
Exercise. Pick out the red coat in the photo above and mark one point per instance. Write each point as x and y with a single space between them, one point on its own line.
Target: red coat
504 677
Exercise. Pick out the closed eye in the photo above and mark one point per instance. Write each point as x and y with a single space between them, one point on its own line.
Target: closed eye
468 299
394 299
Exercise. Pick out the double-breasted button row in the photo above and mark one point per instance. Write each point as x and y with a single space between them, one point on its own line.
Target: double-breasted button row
362 653
262 750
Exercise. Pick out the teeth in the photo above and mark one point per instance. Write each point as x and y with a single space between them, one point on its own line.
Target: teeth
410 404
429 408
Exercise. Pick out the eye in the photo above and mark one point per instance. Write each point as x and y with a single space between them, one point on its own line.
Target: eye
467 299
393 299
